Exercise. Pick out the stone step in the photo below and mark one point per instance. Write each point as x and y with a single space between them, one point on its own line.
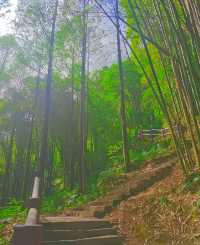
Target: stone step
72 223
54 235
102 240
94 211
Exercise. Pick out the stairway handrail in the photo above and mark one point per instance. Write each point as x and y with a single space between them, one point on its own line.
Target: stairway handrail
34 204
31 233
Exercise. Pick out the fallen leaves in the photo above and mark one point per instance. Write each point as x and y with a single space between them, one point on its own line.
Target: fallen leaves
160 215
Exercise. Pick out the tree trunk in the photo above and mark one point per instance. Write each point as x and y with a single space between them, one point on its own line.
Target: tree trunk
50 171
44 141
83 105
30 139
8 166
71 131
122 95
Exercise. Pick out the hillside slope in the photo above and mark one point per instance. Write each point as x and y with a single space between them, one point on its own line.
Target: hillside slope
163 214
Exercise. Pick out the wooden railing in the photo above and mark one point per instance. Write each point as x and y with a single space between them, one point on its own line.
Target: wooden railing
31 232
153 133
163 132
34 204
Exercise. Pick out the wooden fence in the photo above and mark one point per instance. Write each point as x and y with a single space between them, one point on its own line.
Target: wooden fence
154 133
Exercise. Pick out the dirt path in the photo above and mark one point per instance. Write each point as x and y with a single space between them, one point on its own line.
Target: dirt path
133 184
163 214
150 206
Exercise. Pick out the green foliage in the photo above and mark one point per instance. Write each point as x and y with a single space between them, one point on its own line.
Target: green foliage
2 240
7 41
8 215
192 183
12 210
104 113
4 76
66 199
198 203
56 202
148 150
109 178
164 201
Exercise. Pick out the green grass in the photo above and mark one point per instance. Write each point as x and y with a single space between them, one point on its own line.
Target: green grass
14 209
192 183
66 199
8 215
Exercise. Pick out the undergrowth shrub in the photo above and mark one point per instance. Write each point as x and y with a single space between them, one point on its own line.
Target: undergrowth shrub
164 201
192 183
8 215
13 209
60 200
109 178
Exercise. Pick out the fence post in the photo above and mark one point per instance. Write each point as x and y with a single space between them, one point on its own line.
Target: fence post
27 235
31 233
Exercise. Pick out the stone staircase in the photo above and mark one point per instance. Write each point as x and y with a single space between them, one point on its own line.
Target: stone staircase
76 231
87 226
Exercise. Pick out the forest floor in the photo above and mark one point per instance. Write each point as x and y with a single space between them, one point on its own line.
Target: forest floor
164 214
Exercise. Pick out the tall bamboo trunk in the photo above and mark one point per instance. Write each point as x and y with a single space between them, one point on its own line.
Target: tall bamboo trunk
44 141
83 104
122 94
71 131
26 186
8 167
49 179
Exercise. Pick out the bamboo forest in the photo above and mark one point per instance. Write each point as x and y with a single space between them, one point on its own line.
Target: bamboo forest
100 122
